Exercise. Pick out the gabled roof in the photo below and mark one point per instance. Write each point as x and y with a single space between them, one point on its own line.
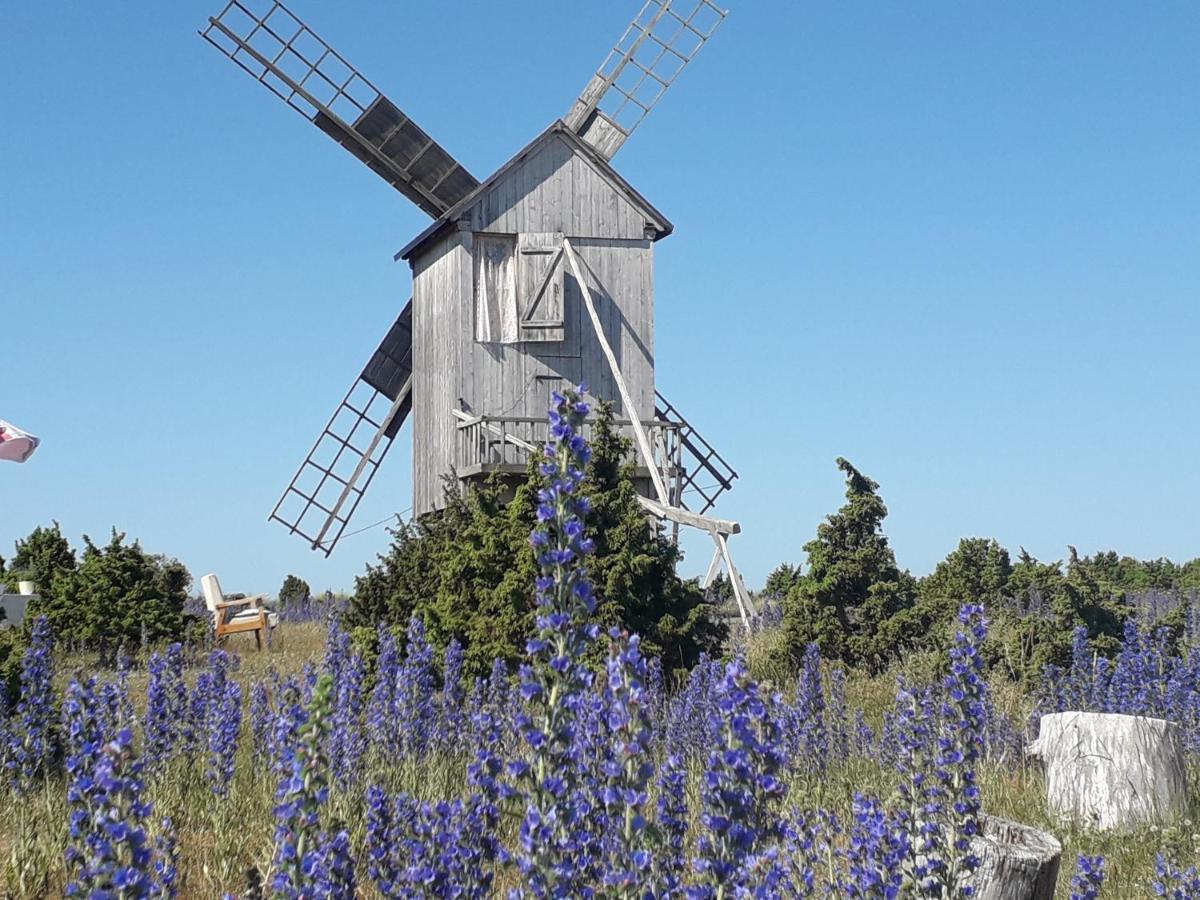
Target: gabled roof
657 220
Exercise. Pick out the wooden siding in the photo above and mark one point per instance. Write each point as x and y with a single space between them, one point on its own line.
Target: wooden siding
442 287
498 379
556 190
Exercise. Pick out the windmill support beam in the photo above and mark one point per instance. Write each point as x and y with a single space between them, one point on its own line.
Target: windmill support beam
719 529
639 431
735 580
714 568
687 517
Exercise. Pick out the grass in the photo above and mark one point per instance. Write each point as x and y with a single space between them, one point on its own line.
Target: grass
220 840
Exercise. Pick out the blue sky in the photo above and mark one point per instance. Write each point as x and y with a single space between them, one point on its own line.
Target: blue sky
957 244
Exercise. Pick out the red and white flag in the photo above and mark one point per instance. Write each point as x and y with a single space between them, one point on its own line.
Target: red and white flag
16 445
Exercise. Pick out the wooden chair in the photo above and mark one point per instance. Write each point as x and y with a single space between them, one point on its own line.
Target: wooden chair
254 618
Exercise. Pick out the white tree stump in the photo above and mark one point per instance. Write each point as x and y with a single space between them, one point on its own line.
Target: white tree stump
1111 771
1016 862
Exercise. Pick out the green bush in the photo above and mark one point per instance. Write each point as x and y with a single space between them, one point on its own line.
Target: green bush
467 569
117 595
42 557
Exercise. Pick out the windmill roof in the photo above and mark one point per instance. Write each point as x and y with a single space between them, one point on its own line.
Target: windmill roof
662 226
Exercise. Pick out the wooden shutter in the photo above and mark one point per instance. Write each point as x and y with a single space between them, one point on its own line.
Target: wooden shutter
540 285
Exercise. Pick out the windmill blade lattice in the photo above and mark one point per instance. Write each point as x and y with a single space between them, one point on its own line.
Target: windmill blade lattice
325 491
283 53
705 474
658 44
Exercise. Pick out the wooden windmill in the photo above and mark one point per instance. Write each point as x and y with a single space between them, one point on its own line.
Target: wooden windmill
537 278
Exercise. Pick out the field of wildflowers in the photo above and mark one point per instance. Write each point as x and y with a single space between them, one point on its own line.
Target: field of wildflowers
310 771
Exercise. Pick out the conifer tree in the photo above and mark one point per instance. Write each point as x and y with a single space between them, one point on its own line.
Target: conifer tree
848 600
293 588
43 556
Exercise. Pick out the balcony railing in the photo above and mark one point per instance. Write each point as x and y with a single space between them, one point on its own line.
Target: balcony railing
505 443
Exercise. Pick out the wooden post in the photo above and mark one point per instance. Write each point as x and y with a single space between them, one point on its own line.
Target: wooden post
713 568
639 432
1016 862
1108 771
677 462
723 553
663 508
735 580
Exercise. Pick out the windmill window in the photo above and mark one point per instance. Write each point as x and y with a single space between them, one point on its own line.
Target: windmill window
519 287
496 289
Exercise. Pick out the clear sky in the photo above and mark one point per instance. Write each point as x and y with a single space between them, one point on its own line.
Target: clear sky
958 244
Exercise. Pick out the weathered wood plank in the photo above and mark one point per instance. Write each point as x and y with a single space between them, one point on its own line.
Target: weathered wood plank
639 432
687 517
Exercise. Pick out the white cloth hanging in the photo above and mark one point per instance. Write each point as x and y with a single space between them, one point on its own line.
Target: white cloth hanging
16 445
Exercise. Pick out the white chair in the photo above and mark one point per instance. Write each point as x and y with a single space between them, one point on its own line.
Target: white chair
256 617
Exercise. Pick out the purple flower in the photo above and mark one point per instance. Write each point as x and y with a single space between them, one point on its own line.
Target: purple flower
288 716
116 708
742 785
556 854
1173 881
670 860
30 737
415 713
837 715
960 745
864 736
450 731
381 725
166 716
626 766
876 852
109 851
808 736
428 850
260 720
690 714
309 862
1088 878
347 739
217 715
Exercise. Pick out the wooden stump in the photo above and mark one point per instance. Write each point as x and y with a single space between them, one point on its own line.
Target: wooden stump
1016 862
1111 771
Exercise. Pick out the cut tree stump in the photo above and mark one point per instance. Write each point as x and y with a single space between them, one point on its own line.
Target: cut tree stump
1016 862
1109 771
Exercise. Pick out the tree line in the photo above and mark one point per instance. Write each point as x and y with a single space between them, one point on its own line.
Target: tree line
856 603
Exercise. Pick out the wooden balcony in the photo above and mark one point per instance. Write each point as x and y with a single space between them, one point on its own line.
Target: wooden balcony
504 444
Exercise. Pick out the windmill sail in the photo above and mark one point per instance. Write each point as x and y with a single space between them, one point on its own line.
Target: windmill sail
283 53
705 474
658 44
326 489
